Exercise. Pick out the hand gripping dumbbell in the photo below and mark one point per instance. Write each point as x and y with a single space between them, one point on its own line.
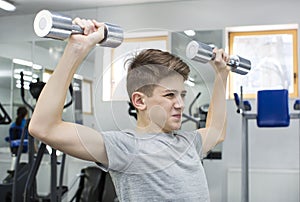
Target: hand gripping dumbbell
203 53
57 26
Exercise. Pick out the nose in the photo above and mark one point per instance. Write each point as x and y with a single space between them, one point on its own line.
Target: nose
179 103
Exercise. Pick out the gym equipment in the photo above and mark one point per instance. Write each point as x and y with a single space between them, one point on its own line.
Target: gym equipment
94 185
20 185
275 113
203 53
4 118
19 175
56 192
199 121
54 25
132 111
272 111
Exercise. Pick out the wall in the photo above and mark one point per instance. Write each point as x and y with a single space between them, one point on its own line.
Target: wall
269 148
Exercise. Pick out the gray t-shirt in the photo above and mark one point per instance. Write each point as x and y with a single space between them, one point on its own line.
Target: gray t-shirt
156 167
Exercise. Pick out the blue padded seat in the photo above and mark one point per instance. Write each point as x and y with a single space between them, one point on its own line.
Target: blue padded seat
273 108
17 143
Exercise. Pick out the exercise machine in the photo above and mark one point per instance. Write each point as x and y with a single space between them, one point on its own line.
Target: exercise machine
56 192
16 145
4 117
21 182
94 185
5 188
199 118
272 111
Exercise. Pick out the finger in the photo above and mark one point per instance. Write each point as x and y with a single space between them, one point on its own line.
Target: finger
98 35
219 55
98 24
226 57
78 21
89 27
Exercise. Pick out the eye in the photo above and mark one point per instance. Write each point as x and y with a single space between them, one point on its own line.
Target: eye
183 95
170 95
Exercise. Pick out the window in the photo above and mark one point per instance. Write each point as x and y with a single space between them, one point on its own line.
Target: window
272 51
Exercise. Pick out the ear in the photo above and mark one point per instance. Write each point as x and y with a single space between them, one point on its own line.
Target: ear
138 101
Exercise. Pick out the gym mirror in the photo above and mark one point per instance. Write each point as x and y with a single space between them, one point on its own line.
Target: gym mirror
5 93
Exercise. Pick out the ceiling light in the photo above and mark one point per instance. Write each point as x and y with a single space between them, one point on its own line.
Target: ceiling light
189 32
26 63
22 62
37 67
7 6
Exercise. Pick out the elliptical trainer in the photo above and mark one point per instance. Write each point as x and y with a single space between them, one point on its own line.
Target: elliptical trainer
28 190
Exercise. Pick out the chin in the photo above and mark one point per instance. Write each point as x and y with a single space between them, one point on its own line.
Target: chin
174 127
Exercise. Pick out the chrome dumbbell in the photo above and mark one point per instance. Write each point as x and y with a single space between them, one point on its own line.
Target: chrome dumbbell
57 26
203 53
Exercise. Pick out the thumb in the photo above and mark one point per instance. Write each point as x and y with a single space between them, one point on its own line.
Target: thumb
99 35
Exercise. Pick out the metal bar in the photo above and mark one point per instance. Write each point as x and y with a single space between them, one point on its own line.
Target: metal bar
30 186
53 196
249 115
61 177
245 166
245 156
294 116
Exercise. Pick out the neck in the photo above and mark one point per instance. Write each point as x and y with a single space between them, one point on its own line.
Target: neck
143 127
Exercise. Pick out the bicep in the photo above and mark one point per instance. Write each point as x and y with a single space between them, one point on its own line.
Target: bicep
203 133
78 141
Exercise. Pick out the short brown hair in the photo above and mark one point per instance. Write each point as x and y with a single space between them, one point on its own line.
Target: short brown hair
149 67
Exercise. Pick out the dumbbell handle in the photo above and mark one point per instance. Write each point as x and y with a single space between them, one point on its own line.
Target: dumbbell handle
110 32
203 53
58 26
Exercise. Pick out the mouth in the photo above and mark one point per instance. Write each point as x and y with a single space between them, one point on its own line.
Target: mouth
177 116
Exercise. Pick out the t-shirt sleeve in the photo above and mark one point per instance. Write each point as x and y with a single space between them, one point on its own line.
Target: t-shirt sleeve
120 148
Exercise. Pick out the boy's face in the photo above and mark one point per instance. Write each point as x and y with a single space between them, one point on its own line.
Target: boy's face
165 106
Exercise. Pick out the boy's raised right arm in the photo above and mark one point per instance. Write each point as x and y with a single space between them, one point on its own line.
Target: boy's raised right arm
46 123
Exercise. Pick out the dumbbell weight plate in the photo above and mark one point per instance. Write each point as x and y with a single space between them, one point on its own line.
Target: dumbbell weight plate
52 25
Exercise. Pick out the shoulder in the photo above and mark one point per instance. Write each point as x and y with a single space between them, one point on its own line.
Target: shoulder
123 139
23 124
122 134
13 125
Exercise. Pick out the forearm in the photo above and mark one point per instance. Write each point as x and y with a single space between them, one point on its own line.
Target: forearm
216 117
216 120
215 128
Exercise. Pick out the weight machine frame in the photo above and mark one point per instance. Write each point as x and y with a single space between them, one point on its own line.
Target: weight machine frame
244 108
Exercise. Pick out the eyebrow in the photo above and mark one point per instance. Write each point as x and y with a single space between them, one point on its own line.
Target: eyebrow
174 91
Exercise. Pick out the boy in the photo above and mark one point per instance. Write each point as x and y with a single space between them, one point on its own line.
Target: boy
156 161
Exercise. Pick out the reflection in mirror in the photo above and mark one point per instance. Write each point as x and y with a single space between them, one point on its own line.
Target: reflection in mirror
31 58
5 94
12 51
24 73
200 83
